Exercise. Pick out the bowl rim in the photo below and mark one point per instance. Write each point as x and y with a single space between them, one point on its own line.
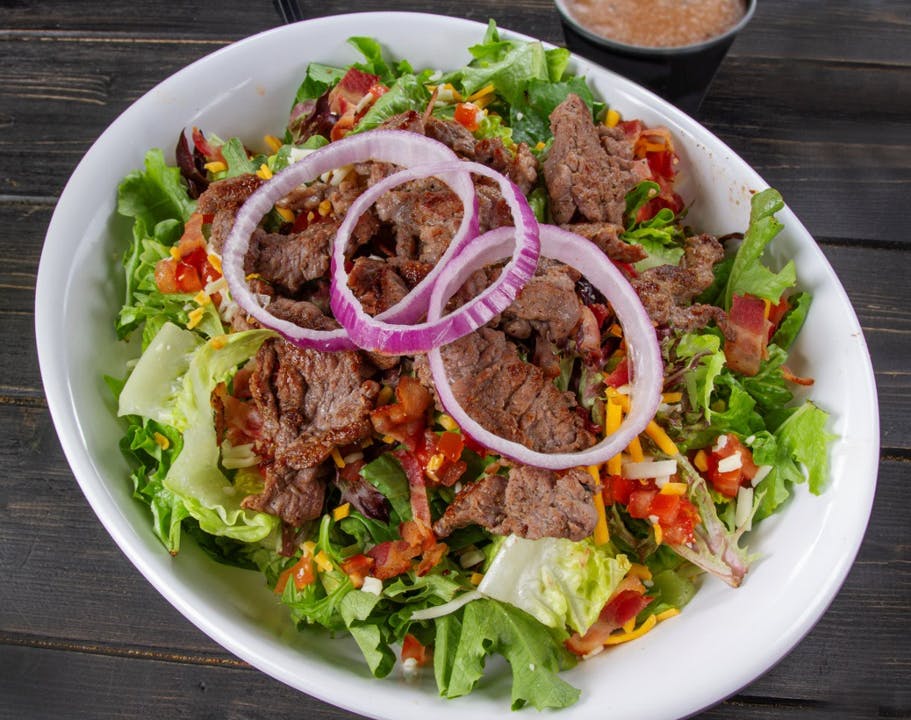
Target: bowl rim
663 52
64 412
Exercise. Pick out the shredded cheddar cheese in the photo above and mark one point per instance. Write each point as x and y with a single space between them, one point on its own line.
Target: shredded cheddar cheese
322 561
623 637
341 512
667 614
337 458
612 118
195 317
216 166
286 214
273 143
660 438
673 488
701 461
162 441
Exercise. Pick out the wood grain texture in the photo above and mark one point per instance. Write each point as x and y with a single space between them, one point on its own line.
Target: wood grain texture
813 94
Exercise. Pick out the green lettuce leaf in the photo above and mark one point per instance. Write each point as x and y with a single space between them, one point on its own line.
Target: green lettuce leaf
484 627
317 80
154 194
559 582
409 92
194 475
748 274
793 320
386 475
371 634
803 438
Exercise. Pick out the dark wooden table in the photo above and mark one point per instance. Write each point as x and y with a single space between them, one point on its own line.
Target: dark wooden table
815 95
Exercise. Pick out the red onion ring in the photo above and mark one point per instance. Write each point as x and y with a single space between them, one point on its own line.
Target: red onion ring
393 146
638 331
380 335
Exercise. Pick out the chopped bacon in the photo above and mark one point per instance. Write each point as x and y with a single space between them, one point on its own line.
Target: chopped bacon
746 334
391 558
796 379
420 506
235 420
620 609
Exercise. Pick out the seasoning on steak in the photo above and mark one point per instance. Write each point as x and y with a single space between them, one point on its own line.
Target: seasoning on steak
510 397
666 291
309 402
531 503
294 495
607 237
222 199
376 284
291 261
587 179
547 304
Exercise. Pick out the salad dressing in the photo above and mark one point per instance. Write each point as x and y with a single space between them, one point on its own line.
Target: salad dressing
657 23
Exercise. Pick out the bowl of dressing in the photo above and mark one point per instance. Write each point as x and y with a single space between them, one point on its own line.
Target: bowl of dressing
672 47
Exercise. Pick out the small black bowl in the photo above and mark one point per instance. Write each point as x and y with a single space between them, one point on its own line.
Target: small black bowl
680 75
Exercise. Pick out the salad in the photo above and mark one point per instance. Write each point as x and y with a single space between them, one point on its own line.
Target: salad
445 363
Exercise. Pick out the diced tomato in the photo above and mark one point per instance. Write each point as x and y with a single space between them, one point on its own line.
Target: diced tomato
467 115
618 489
620 375
406 418
451 445
357 567
665 508
302 574
680 530
728 482
640 503
212 154
412 649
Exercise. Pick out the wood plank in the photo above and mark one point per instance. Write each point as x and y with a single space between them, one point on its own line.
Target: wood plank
866 32
822 136
47 683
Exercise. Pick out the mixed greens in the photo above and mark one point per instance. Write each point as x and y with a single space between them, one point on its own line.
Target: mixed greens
541 604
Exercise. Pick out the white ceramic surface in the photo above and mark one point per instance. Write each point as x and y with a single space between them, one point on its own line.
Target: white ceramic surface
723 640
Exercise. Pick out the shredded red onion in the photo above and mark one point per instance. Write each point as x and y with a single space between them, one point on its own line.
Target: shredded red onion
381 335
399 147
639 334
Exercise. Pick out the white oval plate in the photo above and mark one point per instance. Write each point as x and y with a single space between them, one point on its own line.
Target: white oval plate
722 641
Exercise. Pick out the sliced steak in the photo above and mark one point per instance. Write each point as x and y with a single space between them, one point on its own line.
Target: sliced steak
585 179
511 397
376 284
222 199
548 304
667 291
607 237
291 261
531 503
295 496
309 402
